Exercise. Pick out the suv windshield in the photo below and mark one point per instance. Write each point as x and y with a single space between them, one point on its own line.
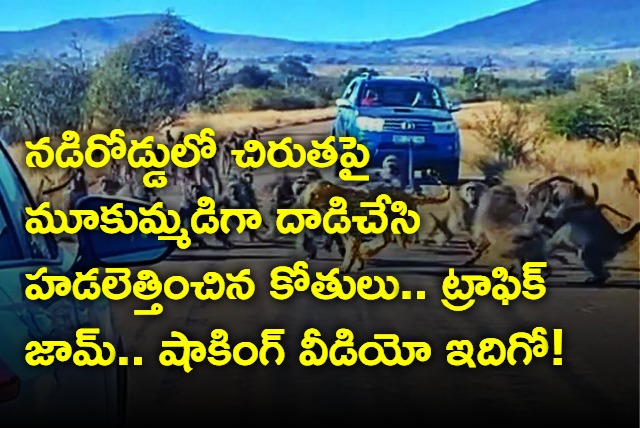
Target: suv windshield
401 94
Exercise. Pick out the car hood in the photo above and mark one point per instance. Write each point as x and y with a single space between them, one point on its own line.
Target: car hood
406 113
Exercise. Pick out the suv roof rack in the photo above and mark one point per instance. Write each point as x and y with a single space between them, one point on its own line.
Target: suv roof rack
366 75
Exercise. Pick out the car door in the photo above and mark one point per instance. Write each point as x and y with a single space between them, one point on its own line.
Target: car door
23 320
20 253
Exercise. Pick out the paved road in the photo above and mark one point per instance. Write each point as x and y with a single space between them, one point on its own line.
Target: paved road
600 346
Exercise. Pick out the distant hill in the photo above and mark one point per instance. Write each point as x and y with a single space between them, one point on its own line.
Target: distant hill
99 34
566 28
582 23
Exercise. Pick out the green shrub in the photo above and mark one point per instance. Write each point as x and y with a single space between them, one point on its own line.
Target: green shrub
605 108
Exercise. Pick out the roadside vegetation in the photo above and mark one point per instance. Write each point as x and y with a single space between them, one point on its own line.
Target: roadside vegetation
159 75
590 133
585 125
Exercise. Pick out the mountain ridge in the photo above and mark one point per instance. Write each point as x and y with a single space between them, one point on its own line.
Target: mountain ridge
576 24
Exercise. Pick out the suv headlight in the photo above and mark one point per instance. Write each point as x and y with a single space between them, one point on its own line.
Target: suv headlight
373 124
448 127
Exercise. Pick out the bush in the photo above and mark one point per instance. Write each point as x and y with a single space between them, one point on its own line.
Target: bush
253 76
326 88
523 95
509 133
570 116
605 108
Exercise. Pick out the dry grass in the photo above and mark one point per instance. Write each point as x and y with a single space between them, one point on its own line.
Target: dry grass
436 70
580 160
224 123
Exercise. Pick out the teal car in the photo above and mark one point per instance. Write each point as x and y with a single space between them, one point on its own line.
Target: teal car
407 118
30 395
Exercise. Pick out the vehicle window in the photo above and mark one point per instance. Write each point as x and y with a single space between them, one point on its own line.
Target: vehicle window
391 94
9 248
40 246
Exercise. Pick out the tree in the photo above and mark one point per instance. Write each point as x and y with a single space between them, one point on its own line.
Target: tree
205 70
253 76
479 85
469 72
559 78
120 98
164 54
294 71
307 58
40 97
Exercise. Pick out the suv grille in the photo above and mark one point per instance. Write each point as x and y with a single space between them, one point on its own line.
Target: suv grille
419 125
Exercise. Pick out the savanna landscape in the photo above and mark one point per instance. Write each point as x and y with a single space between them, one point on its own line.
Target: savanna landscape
555 92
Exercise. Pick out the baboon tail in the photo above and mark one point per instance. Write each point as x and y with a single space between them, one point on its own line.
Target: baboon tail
596 192
629 235
614 211
57 188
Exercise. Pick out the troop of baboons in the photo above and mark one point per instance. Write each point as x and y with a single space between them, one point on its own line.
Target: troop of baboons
532 224
551 214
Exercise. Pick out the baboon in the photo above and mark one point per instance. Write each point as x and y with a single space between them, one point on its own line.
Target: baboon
499 222
169 138
299 185
306 241
388 175
171 142
230 143
630 181
283 196
254 134
191 191
456 215
498 211
584 229
210 175
312 174
78 187
558 190
248 199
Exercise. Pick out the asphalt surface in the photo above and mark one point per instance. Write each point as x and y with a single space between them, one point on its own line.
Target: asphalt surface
600 337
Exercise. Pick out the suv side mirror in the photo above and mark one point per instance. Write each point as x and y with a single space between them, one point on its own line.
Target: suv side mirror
343 102
98 249
454 105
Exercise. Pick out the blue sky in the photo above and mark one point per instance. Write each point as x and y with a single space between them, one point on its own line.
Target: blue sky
323 20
